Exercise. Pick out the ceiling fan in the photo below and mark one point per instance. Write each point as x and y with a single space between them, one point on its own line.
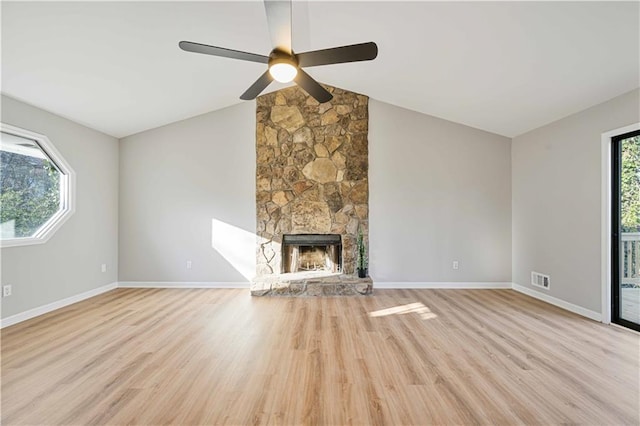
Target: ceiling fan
283 64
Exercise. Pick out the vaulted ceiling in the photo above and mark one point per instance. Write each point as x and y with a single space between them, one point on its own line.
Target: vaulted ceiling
505 67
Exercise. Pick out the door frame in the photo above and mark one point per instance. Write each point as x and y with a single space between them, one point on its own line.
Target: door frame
616 235
606 215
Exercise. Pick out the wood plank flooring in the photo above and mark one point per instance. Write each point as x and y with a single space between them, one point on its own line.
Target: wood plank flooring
218 356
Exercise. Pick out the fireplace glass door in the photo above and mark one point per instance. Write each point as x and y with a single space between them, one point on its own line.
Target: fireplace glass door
311 252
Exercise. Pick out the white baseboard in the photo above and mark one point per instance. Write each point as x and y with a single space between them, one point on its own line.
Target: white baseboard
596 316
182 284
442 285
41 310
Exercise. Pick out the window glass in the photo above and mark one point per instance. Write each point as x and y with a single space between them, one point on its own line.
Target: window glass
31 190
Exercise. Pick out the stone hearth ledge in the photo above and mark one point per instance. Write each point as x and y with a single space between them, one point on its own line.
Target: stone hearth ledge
311 284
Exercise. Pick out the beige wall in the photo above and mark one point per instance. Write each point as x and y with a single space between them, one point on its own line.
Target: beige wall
70 262
556 175
439 192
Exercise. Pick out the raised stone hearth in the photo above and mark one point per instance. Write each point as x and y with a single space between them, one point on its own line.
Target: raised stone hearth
312 284
312 166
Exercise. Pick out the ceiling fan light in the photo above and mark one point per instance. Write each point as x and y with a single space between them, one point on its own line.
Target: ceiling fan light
283 72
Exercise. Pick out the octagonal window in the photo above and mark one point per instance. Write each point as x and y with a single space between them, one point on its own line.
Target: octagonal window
35 187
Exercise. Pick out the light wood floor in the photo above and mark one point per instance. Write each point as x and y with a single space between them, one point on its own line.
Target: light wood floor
203 356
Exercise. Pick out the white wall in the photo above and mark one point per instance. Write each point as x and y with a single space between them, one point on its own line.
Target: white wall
439 192
70 262
556 175
177 179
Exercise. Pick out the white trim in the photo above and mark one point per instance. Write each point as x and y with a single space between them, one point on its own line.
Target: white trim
452 285
596 316
41 310
67 184
605 215
182 284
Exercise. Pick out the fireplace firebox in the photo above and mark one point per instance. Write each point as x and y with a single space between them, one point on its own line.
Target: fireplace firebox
311 252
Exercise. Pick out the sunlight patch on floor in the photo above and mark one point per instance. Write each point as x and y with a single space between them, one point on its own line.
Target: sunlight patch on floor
412 308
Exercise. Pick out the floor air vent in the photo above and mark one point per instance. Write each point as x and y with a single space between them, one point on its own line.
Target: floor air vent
540 280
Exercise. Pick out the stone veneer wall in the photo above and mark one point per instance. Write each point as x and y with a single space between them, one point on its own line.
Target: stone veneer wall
311 172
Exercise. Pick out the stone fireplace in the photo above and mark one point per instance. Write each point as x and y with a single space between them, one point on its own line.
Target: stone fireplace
312 192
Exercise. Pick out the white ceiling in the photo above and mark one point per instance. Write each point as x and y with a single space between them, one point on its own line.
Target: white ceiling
503 67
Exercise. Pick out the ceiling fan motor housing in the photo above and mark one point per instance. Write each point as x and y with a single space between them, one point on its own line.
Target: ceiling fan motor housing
280 57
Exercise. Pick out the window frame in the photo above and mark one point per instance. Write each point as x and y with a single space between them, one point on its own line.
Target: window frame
67 189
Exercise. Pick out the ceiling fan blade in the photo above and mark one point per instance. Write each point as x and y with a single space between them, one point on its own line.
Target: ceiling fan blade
221 51
257 87
338 55
279 22
312 87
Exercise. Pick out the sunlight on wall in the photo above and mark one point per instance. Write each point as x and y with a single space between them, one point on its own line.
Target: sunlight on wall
417 308
236 245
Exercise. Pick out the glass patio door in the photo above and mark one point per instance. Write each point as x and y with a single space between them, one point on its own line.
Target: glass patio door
626 230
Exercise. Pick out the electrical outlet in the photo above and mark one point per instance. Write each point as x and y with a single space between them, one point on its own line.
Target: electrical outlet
455 265
6 291
104 267
188 264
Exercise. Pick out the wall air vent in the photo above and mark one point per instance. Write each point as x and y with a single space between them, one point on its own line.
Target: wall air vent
540 280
